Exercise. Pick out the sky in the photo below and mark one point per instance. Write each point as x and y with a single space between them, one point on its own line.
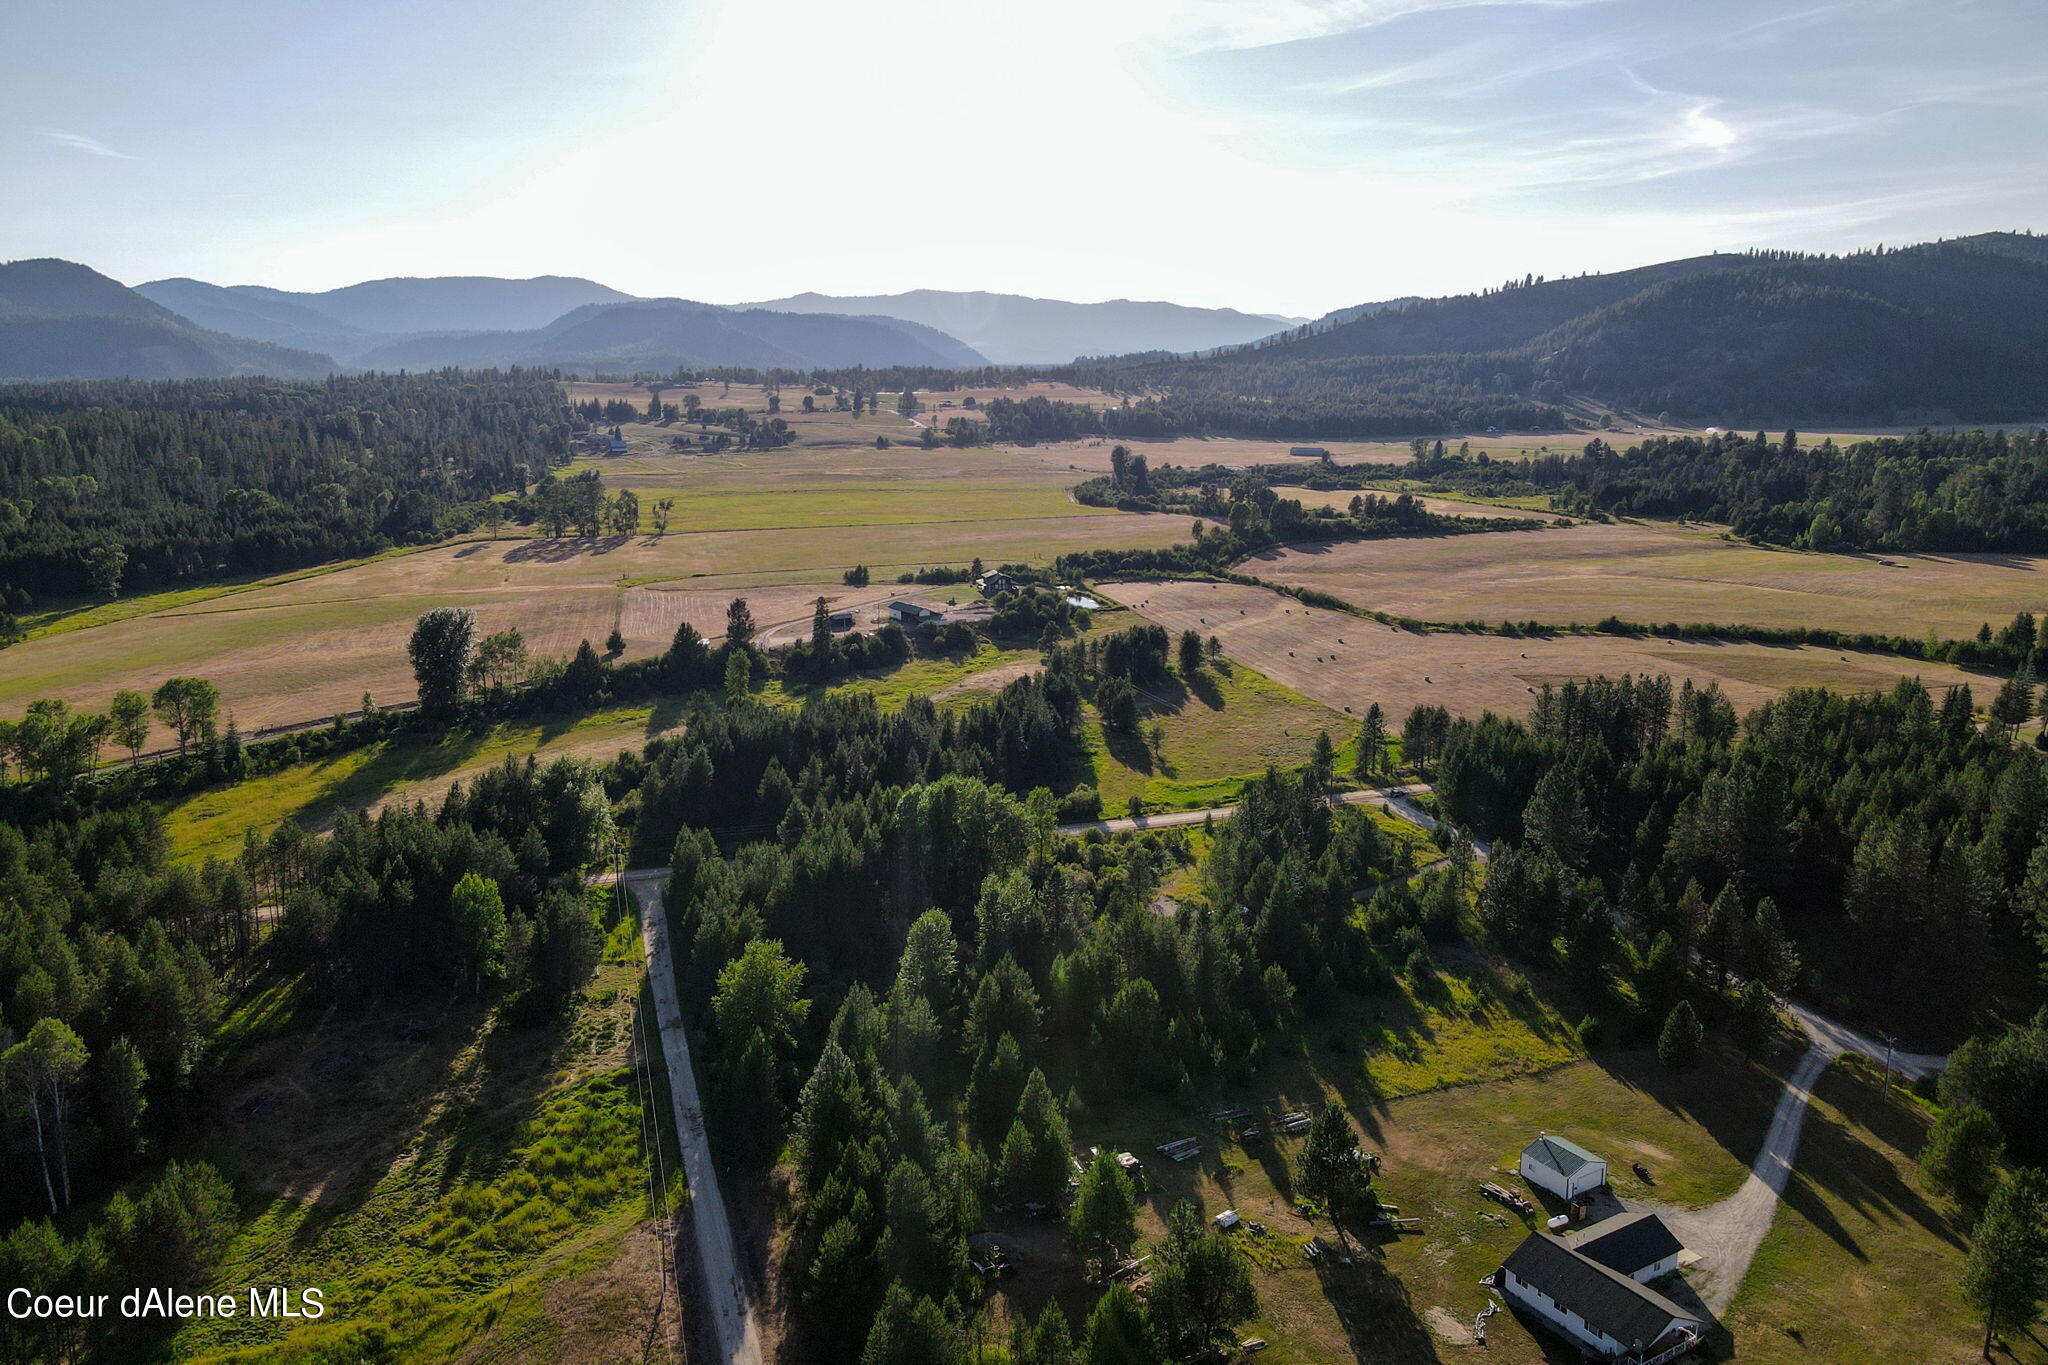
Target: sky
1285 156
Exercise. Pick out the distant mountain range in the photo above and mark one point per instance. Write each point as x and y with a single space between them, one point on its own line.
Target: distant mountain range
1945 331
58 319
358 318
658 334
1012 329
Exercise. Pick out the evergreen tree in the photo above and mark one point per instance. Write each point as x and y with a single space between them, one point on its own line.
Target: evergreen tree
2006 1274
1203 1286
1678 1046
1102 1224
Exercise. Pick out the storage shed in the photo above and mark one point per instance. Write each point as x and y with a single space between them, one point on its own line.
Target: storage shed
1561 1166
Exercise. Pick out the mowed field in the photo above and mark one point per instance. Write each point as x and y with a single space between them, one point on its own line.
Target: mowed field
779 528
1347 662
1661 573
1444 505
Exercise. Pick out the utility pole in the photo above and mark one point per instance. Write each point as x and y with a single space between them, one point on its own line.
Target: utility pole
1890 1044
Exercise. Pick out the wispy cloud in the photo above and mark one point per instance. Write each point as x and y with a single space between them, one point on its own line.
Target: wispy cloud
79 142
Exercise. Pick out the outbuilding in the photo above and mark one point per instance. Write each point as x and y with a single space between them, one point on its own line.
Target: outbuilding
913 613
1561 1166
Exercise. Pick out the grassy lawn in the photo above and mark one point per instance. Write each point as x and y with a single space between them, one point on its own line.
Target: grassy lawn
1858 1237
1211 740
212 823
459 1187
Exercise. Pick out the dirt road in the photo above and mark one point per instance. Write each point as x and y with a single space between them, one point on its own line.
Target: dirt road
724 1293
1386 798
1726 1235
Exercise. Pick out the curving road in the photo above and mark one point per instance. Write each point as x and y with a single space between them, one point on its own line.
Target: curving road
724 1293
1726 1235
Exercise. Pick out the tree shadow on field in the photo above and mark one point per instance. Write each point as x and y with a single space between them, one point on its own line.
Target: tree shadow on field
393 768
666 715
1372 1303
1833 1160
563 548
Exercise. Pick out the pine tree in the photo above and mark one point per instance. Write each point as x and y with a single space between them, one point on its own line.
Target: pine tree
1102 1225
1678 1046
2006 1274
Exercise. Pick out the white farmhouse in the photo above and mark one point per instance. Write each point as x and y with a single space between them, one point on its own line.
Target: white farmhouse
1608 1315
1561 1166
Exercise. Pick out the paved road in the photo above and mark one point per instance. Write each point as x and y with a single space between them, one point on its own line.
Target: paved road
1726 1235
724 1292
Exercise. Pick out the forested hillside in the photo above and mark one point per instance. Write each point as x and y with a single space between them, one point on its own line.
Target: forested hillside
1939 332
115 485
653 335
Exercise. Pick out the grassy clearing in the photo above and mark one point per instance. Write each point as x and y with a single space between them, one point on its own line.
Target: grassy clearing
1200 745
467 1189
1858 1236
212 823
958 680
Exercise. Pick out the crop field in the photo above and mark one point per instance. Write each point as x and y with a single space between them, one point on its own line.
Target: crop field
1658 573
1347 662
779 528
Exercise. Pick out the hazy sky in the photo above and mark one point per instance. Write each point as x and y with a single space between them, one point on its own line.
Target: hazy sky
1273 155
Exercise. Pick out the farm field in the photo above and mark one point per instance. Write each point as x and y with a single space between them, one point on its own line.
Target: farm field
1347 662
1444 504
1658 573
779 528
460 1188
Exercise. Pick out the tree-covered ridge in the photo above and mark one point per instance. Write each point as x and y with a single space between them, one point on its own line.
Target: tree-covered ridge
112 485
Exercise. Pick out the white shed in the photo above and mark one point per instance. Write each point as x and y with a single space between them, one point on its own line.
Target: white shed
1561 1166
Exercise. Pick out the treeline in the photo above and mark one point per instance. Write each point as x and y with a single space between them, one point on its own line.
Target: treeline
1954 490
115 485
1884 840
901 971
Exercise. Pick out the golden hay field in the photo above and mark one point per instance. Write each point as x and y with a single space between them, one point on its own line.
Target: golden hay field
1658 573
1347 662
1446 506
779 528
